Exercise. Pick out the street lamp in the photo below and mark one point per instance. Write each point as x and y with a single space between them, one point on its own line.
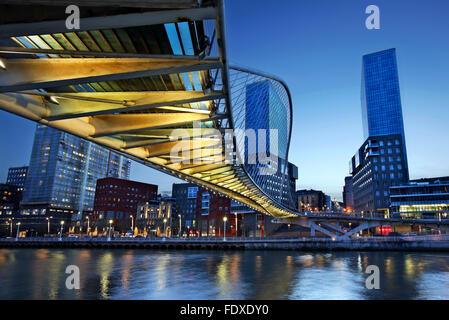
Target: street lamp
18 228
180 226
224 227
48 225
236 225
88 225
10 227
110 227
132 222
60 232
165 230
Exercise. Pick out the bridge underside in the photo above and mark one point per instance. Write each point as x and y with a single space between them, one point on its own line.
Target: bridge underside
141 82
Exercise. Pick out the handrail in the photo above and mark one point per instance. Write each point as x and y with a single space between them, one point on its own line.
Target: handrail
438 237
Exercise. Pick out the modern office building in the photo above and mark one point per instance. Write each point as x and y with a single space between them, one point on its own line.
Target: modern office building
17 176
311 200
246 222
421 198
118 199
238 214
63 173
211 208
328 203
265 152
202 213
377 165
380 95
348 195
292 177
10 196
381 161
185 195
200 209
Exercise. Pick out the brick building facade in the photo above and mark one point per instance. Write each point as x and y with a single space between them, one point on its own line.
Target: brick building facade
118 199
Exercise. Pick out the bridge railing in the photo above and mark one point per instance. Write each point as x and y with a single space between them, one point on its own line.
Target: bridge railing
342 214
371 215
437 237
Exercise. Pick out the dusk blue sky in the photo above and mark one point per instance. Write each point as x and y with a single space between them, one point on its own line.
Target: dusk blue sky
317 47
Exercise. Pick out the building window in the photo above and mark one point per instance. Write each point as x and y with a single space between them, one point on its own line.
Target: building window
191 192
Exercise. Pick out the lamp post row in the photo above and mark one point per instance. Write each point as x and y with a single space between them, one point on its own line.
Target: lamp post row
132 226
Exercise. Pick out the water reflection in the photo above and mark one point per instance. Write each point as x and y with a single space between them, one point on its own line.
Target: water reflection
126 265
228 278
328 276
142 274
105 266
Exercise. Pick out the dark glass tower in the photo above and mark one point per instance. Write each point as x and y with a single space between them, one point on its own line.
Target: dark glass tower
266 110
381 99
381 161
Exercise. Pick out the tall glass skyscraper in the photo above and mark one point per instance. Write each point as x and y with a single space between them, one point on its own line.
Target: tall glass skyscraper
266 110
381 161
381 99
63 172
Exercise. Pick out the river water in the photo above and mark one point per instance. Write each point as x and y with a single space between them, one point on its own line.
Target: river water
150 274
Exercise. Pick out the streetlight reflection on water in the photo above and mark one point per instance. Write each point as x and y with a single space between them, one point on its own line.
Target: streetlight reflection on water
151 274
105 268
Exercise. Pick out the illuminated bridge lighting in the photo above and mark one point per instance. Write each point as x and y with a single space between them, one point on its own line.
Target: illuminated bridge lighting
130 77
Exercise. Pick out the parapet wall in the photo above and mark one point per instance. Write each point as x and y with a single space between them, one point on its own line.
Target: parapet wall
262 244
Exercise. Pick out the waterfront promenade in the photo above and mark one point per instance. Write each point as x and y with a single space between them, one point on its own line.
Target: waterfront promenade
401 243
